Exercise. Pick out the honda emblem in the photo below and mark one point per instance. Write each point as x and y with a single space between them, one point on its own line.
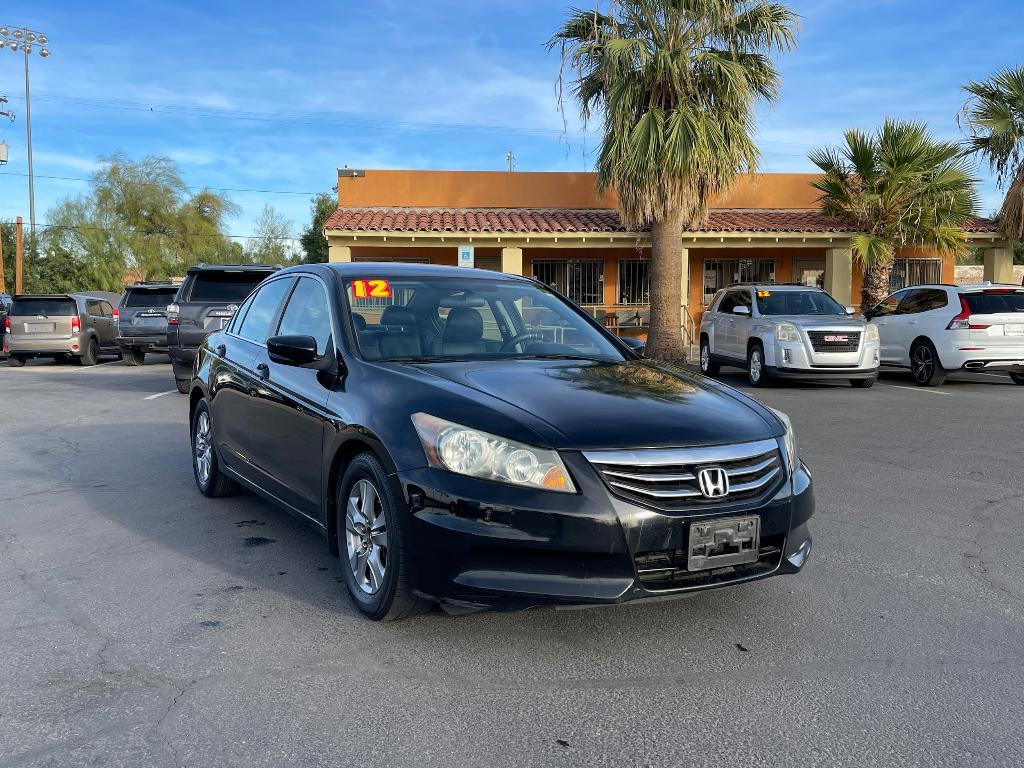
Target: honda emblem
713 482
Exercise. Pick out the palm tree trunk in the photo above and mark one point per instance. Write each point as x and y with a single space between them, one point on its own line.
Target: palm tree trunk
665 338
875 285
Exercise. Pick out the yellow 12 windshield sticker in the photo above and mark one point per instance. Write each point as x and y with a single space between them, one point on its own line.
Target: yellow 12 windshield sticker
371 289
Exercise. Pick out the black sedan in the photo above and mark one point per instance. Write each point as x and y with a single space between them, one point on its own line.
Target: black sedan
476 440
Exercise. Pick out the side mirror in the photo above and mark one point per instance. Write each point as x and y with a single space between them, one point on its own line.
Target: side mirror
745 311
637 345
292 350
851 311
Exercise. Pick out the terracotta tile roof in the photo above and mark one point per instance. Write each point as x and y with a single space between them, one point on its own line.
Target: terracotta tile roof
574 220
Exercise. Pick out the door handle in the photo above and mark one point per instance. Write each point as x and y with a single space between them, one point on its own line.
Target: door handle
911 322
263 370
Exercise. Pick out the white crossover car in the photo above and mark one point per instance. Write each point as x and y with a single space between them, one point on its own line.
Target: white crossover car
935 329
787 331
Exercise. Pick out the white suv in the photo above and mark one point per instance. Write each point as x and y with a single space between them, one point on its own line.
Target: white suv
787 331
934 329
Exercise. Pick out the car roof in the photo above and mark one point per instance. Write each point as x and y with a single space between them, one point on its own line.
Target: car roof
777 287
233 268
395 270
151 286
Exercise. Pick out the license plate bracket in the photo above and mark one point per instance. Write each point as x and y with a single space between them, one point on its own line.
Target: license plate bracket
1013 330
723 542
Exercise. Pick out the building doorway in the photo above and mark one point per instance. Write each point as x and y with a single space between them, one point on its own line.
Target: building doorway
809 272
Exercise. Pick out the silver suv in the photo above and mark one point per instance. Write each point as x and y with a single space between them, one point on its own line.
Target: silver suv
787 331
61 326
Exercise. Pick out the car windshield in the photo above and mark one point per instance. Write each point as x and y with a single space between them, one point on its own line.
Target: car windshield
150 297
771 302
229 286
28 307
433 319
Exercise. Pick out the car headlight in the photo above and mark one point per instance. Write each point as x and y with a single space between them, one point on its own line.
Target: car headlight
788 440
787 332
468 451
872 333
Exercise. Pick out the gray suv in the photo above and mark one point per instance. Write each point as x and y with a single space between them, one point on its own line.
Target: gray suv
206 302
142 320
787 331
61 326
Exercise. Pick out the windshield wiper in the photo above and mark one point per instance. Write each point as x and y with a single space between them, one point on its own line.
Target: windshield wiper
563 357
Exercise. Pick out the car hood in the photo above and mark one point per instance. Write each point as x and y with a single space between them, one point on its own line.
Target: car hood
631 404
820 321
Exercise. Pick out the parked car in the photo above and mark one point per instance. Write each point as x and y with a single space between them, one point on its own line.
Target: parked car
205 302
142 320
935 329
787 331
61 326
5 306
452 451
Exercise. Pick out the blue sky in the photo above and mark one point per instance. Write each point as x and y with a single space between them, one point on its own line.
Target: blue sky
274 97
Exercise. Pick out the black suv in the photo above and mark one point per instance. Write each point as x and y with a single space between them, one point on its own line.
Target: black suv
205 302
142 320
476 439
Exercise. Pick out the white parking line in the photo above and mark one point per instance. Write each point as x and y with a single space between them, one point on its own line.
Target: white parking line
918 389
160 394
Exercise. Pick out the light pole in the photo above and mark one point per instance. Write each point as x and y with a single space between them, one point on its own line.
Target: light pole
25 40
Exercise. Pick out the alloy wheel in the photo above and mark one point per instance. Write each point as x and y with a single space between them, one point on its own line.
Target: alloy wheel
755 366
705 358
203 448
366 537
922 363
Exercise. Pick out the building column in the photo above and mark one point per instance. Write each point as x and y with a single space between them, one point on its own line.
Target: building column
338 254
998 265
839 274
689 333
512 261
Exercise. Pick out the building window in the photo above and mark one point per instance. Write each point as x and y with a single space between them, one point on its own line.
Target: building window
582 280
721 273
907 272
634 282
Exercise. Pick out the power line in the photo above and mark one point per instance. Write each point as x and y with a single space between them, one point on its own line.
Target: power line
187 186
129 231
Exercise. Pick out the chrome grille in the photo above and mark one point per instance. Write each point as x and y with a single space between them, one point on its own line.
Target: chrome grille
834 341
667 478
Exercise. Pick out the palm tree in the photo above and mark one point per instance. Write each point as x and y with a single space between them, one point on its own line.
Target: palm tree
676 83
897 187
995 116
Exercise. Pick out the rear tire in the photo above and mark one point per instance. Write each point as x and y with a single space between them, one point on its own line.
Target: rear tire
863 383
925 366
91 353
757 372
16 362
372 544
1017 378
708 366
133 355
182 385
210 480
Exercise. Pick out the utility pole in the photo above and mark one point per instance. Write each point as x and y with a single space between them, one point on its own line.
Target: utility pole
511 161
3 286
24 40
19 258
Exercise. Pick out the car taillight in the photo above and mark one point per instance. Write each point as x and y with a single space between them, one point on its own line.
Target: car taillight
117 315
7 325
962 321
172 314
76 325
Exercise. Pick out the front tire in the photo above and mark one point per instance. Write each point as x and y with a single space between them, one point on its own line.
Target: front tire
210 480
182 385
925 365
1017 378
91 353
863 383
757 371
16 362
372 544
133 355
708 366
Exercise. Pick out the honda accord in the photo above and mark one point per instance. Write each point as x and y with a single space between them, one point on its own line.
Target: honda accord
477 440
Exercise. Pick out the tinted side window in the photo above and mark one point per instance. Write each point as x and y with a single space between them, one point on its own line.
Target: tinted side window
93 308
744 299
728 303
308 314
923 300
890 304
106 309
259 320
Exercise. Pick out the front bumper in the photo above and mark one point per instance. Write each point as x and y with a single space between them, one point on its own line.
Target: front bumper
182 361
797 359
822 374
486 545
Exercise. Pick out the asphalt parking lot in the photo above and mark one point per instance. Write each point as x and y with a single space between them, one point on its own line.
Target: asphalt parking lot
144 625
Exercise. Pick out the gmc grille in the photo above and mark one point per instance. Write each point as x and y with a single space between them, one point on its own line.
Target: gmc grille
667 478
834 341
